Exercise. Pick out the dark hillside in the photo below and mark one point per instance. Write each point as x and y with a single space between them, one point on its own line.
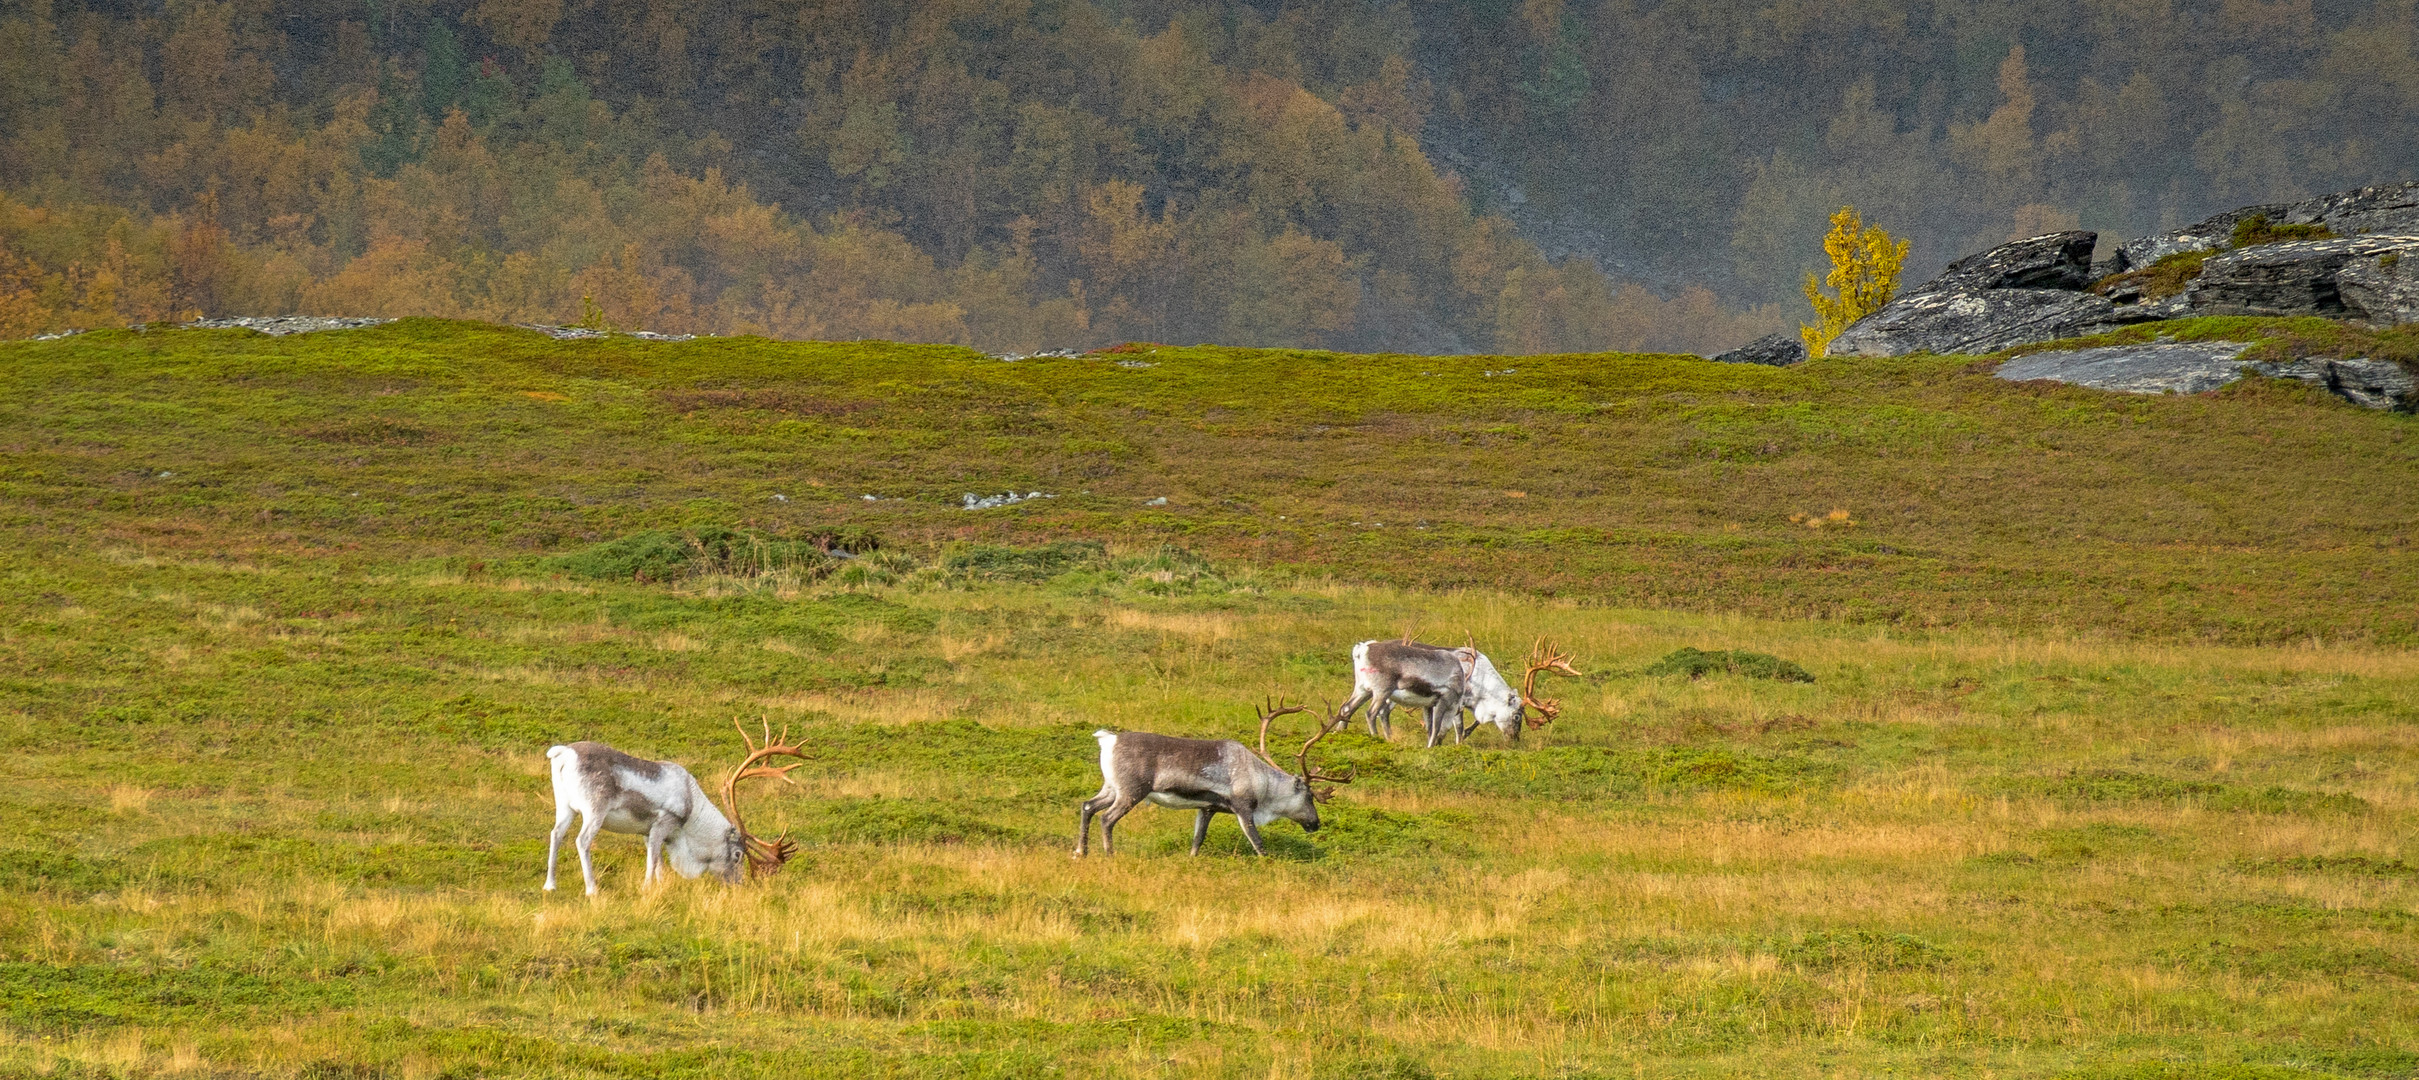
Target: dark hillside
1913 492
1426 175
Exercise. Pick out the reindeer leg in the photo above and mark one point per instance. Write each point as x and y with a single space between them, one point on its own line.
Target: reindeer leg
591 823
1343 717
665 825
554 841
1083 818
1201 828
1381 711
1251 832
1109 820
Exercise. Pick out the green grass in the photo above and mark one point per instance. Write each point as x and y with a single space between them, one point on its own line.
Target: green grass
277 800
1650 481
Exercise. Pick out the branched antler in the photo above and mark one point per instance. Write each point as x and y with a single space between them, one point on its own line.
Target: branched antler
1271 710
764 856
1308 774
1544 657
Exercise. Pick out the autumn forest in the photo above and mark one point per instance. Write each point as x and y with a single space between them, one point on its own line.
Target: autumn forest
1502 175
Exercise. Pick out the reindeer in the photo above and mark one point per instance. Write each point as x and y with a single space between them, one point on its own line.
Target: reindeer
1445 682
659 800
1212 776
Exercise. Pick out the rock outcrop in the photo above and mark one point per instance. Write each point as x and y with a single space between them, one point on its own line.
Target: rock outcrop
2043 288
2294 277
1965 319
1775 350
2054 261
281 325
2383 290
2199 366
2161 368
2386 208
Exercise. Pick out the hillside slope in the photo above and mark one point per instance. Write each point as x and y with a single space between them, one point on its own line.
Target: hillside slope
1913 492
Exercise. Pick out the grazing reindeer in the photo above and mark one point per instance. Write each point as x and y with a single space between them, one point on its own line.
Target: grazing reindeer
1444 682
1210 775
613 791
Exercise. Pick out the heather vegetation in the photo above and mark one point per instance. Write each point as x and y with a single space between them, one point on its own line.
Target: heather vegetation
1931 724
1422 176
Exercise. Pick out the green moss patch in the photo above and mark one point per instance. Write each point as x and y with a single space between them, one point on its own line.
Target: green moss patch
2257 229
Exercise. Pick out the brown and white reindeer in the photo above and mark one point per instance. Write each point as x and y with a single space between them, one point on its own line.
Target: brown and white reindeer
614 792
1213 776
1444 682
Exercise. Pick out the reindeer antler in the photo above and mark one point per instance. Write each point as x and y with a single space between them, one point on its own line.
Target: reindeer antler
1276 708
1544 657
764 856
1271 710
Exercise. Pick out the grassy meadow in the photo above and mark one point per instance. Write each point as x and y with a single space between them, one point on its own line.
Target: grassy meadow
2107 770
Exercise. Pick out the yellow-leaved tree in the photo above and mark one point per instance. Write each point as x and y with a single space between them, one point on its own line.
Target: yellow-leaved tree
1864 276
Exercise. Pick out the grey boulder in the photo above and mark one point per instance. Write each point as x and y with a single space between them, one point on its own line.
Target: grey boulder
2384 290
2294 277
2162 368
2054 261
2200 366
1967 320
1774 350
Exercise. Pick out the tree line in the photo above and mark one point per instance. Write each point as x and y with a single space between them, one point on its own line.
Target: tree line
1020 174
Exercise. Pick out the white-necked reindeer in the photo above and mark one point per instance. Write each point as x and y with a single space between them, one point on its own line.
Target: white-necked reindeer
614 792
1444 682
1213 776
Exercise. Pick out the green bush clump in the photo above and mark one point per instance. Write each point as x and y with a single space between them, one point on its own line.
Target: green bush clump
2284 800
1698 663
2120 785
2257 229
1001 563
669 554
24 870
2358 865
1868 949
2157 281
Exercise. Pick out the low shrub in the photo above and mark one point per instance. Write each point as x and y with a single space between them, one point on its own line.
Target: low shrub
2257 229
669 554
2356 865
2120 785
1001 563
1698 663
1867 949
2158 281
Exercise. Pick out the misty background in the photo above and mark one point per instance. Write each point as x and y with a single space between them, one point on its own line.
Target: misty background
1543 175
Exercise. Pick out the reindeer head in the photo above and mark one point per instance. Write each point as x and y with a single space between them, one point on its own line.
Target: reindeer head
747 850
1301 802
1544 657
1492 699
